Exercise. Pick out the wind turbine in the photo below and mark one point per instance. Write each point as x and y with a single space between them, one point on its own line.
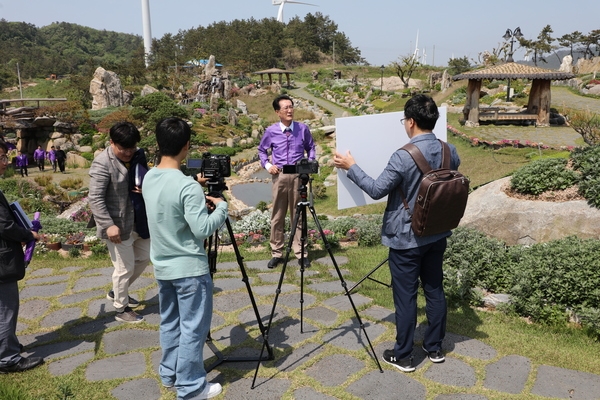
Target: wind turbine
281 3
416 53
147 30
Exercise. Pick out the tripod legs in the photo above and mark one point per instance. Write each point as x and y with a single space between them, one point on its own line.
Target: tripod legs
301 211
212 263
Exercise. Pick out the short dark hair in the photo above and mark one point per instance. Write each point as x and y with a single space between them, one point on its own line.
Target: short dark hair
276 105
3 146
423 110
172 134
125 134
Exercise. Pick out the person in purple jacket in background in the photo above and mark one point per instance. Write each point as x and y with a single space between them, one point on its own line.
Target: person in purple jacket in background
52 158
39 156
22 163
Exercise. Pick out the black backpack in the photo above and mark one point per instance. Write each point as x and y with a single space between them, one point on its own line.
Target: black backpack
442 196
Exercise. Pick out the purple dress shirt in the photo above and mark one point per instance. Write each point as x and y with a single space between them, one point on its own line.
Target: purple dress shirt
286 149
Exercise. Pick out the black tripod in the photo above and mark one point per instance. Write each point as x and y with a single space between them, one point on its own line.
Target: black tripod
368 276
213 243
301 212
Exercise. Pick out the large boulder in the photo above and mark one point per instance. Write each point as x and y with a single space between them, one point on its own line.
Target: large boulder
106 89
515 221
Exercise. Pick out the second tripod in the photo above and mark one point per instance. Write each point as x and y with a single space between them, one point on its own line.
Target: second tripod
305 202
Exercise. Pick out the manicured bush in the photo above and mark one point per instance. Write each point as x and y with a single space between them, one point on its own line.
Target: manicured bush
587 162
543 175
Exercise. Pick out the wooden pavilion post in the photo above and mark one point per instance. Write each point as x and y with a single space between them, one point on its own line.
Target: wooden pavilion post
471 110
539 101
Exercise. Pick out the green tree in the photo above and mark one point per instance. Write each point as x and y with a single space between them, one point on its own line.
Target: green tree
589 40
570 40
405 67
541 46
458 65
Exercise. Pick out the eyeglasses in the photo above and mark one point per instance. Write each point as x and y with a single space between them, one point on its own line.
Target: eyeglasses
4 158
402 120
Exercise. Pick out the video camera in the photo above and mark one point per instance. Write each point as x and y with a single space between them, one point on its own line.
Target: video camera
304 166
216 166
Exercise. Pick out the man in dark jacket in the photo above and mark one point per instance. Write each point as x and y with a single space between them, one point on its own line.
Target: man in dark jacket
61 158
12 269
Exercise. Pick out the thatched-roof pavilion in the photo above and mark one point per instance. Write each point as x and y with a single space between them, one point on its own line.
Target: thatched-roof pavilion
274 71
538 108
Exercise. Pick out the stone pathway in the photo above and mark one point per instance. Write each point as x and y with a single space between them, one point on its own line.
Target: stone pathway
75 331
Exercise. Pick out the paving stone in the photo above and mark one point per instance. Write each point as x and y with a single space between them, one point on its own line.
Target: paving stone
40 272
43 291
151 314
286 333
62 349
129 339
100 308
81 296
308 273
269 290
21 326
151 296
68 365
48 279
91 282
297 357
155 357
141 283
248 317
216 321
232 357
331 287
342 303
508 375
566 383
138 389
106 271
229 266
230 336
308 393
33 309
129 365
68 270
292 300
266 388
37 339
452 372
229 284
61 317
389 385
380 314
269 277
349 335
228 302
334 273
466 346
94 326
340 260
335 370
260 265
322 315
460 396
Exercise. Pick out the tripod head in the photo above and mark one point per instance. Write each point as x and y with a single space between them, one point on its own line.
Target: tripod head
305 187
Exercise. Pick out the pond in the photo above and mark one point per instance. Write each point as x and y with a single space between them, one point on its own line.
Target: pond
253 193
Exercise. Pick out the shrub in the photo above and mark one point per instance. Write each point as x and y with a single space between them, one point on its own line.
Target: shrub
257 221
71 183
43 180
543 175
587 162
369 230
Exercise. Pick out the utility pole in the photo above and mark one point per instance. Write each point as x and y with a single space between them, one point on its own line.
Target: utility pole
19 76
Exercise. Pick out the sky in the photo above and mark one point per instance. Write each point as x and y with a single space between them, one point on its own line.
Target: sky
383 30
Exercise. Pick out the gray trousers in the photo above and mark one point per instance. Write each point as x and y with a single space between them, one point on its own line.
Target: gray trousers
9 312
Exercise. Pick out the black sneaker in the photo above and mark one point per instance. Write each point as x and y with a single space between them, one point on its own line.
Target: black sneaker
128 315
435 356
404 365
274 262
133 303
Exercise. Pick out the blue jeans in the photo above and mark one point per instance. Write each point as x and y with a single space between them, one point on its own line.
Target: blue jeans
185 314
407 267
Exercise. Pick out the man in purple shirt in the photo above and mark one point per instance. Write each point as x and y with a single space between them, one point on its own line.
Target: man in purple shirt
52 158
288 141
39 156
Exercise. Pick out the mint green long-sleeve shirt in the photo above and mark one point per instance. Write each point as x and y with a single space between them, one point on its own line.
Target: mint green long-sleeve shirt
179 222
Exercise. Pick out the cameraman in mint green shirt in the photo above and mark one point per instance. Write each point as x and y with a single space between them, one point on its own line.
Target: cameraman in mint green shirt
179 221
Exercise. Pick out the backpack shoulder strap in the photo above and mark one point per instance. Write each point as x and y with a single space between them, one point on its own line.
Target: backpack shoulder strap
417 156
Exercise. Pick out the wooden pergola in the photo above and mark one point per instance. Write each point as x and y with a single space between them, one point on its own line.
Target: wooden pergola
275 71
538 107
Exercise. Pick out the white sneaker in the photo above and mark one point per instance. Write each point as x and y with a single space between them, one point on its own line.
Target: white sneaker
210 390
